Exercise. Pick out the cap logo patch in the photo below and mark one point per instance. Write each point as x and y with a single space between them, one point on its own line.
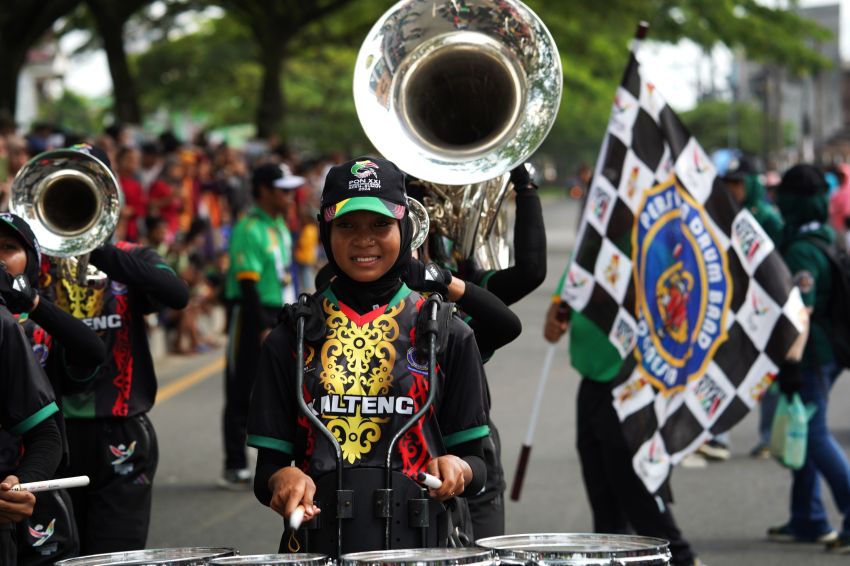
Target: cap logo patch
362 171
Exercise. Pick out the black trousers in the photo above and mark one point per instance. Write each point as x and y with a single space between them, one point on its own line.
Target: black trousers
618 498
120 456
243 357
8 554
50 534
488 507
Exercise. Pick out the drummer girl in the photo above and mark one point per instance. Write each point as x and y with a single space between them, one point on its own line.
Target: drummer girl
363 375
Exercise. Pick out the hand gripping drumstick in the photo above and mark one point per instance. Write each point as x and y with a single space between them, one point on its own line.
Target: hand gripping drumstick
432 482
296 518
51 485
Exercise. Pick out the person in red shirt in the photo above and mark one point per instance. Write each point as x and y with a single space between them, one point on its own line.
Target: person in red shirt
135 199
164 198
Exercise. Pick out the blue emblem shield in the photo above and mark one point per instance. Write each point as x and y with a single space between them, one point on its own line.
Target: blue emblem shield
683 287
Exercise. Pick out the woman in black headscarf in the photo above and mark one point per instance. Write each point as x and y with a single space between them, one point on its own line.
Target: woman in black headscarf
364 375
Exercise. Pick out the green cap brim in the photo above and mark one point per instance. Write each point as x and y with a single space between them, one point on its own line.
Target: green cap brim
372 204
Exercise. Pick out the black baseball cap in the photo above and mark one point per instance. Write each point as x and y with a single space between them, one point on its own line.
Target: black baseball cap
272 175
18 226
740 168
365 183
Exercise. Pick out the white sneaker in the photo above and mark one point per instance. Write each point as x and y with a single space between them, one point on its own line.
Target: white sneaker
694 460
235 479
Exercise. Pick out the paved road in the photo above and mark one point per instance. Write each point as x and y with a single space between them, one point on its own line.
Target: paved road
723 509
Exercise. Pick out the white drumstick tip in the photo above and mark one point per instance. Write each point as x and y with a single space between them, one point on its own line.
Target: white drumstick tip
429 481
52 485
296 518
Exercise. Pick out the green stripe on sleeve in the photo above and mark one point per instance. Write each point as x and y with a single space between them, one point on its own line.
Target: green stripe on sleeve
272 443
466 435
35 419
485 279
166 268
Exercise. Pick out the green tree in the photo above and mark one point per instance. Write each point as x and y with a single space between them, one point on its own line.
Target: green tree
74 112
22 24
593 39
717 124
274 25
110 19
213 70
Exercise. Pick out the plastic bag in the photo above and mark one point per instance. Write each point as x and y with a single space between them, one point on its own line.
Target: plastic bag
790 430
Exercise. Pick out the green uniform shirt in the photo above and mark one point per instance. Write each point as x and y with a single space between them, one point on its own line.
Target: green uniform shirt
591 353
813 275
261 250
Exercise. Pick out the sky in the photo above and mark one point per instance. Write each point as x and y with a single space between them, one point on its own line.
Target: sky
676 70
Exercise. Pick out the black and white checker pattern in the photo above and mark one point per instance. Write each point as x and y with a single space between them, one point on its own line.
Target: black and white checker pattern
646 143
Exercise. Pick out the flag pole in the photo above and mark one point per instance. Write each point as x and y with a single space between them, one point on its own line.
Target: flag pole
525 451
640 35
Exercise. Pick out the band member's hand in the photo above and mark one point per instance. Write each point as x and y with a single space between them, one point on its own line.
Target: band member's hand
290 488
453 472
554 327
15 506
16 292
521 178
428 277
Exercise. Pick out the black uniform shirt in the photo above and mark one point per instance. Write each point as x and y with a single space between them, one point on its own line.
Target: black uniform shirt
365 381
26 398
125 384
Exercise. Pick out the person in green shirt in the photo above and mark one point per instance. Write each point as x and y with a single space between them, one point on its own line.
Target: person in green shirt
258 284
618 499
802 197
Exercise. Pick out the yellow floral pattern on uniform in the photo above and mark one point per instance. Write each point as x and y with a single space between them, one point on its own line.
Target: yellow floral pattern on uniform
358 360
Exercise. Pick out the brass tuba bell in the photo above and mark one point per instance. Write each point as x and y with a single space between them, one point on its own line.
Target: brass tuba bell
457 94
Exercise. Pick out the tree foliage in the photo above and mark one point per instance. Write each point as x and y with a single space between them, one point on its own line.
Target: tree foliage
717 124
268 59
593 39
76 113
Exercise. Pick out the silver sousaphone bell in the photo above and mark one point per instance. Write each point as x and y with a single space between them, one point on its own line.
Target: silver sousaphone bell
72 202
457 95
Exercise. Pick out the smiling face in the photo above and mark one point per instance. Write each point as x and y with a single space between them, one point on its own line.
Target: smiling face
12 253
365 244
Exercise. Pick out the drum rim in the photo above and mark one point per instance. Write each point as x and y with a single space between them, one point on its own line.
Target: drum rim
655 547
418 556
135 556
293 559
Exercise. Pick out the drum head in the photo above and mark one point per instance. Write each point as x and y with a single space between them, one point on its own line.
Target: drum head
305 559
578 549
196 556
420 557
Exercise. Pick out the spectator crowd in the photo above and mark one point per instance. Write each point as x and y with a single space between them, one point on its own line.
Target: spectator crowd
182 198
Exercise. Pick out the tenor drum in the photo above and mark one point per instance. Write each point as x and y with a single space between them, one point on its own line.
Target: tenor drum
421 557
563 549
305 559
196 556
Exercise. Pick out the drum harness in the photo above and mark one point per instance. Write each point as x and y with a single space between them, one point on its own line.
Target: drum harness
382 498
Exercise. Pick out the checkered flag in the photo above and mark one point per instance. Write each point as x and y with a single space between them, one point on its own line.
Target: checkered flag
687 287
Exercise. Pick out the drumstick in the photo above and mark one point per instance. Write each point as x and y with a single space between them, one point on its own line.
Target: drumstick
429 481
51 485
296 518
